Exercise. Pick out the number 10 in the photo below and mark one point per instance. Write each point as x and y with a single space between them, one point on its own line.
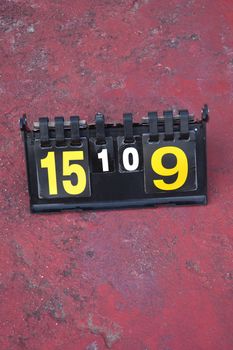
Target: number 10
129 166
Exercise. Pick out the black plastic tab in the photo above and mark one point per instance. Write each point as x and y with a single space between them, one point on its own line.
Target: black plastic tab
184 124
75 132
153 126
100 131
59 131
44 131
168 125
23 123
205 113
128 127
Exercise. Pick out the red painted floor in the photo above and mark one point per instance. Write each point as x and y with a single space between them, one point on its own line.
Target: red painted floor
153 279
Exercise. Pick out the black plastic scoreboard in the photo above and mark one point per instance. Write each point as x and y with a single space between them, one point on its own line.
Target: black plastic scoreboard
73 165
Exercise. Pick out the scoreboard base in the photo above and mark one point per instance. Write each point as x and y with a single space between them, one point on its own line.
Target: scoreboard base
148 203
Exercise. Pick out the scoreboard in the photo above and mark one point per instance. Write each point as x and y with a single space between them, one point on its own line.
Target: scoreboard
73 165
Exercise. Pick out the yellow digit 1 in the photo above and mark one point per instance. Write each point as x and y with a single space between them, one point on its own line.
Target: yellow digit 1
77 169
49 163
181 168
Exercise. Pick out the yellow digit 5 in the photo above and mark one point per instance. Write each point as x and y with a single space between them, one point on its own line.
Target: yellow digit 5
49 163
181 168
77 169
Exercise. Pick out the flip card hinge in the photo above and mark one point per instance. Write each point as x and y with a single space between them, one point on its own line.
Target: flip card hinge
128 128
23 124
100 129
169 124
205 113
67 124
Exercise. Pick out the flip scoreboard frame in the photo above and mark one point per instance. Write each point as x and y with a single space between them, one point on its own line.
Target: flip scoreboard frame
73 165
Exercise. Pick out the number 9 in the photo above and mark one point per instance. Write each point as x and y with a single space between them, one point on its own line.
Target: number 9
181 168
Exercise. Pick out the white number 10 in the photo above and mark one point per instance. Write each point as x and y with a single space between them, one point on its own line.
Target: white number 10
129 165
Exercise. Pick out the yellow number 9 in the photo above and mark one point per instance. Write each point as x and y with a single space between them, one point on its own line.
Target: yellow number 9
181 168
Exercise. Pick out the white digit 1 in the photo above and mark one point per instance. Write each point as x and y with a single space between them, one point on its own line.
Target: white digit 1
135 158
103 155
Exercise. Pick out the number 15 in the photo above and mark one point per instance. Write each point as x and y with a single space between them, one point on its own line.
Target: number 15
49 163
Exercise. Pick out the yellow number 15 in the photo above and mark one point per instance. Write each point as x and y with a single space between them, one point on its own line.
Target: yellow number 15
181 167
68 169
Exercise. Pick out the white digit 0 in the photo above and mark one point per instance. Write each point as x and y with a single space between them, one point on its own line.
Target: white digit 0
103 155
135 158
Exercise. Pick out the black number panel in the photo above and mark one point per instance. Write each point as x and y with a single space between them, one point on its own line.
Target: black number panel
130 155
63 171
170 165
102 156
